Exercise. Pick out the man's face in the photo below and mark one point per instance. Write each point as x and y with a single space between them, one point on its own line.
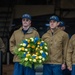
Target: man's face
53 24
26 22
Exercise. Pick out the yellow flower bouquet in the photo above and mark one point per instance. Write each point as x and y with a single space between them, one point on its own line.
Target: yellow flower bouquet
32 51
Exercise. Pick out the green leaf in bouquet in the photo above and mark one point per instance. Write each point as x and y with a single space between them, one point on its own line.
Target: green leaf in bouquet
27 64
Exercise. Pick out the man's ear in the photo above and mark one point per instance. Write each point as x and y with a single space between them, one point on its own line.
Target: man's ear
64 27
58 23
30 21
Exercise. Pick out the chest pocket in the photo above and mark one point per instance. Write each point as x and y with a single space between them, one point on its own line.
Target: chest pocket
58 41
22 37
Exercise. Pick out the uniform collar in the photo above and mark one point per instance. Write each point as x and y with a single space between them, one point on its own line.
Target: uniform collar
55 31
30 30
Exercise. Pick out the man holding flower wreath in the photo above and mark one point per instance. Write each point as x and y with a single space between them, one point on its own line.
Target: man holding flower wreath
25 32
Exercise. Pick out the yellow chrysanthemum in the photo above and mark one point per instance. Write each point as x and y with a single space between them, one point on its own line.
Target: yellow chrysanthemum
36 53
28 41
33 54
36 48
37 57
38 43
40 47
33 46
28 45
27 55
22 49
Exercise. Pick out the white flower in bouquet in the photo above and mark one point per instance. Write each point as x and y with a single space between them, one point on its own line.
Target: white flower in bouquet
26 39
41 51
31 39
46 53
21 44
26 49
43 59
24 52
30 59
38 46
45 43
19 49
45 47
42 41
24 44
40 61
40 57
26 59
34 60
